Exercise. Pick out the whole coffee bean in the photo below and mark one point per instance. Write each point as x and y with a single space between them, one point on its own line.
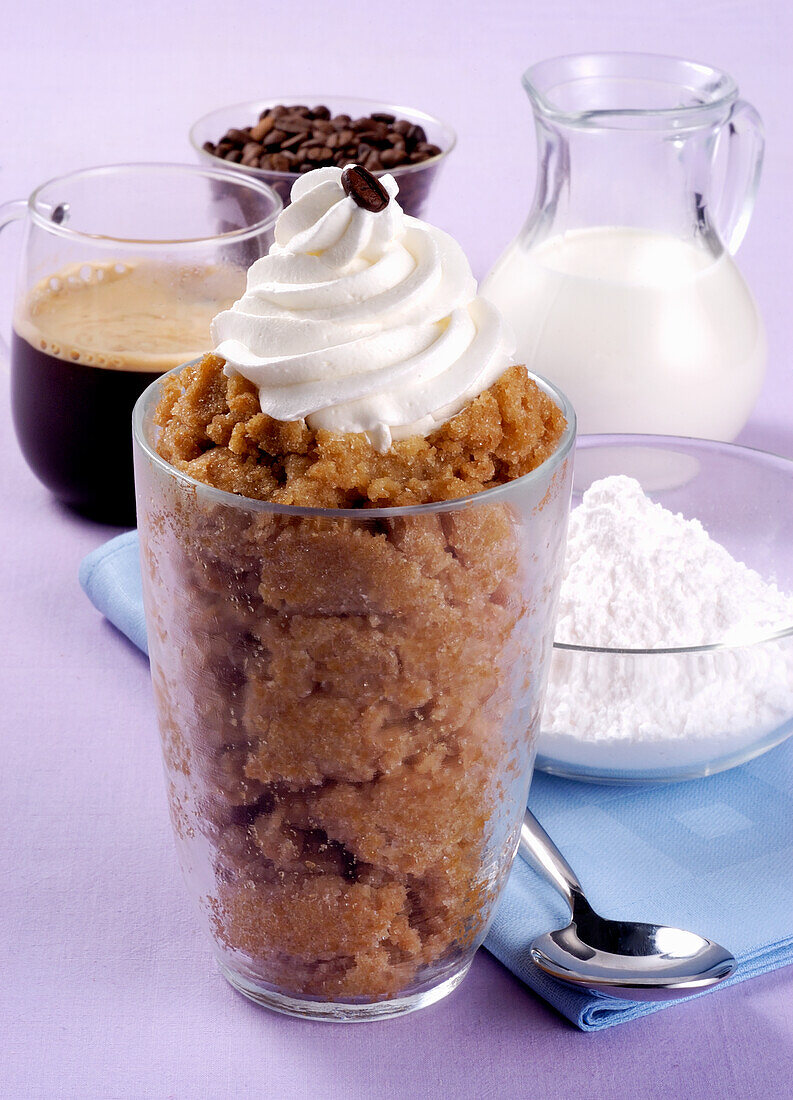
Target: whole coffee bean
238 137
263 127
390 158
382 116
294 124
273 139
279 162
364 189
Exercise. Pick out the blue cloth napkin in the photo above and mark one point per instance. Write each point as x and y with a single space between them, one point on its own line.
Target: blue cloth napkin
714 855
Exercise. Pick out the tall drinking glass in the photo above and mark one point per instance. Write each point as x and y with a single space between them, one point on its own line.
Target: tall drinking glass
348 702
122 269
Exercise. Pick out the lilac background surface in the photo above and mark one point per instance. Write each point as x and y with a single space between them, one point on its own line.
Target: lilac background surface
108 988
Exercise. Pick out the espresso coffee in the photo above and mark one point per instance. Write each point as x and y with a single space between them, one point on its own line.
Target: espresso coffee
86 343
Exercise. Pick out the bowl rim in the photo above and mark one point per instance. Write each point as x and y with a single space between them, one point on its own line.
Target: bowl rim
257 105
668 442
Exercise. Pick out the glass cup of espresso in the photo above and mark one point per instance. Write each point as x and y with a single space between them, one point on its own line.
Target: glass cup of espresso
123 267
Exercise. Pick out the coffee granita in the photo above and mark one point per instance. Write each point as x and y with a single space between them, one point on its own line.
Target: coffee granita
348 700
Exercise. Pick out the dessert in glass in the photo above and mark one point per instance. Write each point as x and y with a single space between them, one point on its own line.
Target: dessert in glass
352 521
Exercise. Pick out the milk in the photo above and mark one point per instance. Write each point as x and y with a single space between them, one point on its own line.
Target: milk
643 331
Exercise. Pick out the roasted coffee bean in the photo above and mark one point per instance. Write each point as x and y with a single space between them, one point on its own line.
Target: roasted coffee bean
321 112
273 139
381 116
238 137
279 162
294 124
263 127
390 158
292 142
364 188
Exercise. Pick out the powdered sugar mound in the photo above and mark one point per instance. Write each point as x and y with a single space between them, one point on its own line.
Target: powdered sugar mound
640 577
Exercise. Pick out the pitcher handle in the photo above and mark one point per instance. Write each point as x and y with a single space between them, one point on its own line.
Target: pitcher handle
10 212
745 147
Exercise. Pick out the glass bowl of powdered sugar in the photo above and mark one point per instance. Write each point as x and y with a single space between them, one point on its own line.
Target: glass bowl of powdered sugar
673 653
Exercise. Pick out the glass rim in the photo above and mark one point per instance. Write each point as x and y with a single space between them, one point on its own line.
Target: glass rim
145 403
669 442
724 94
257 105
43 221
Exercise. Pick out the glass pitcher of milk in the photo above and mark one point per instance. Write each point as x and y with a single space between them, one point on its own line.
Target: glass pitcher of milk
621 286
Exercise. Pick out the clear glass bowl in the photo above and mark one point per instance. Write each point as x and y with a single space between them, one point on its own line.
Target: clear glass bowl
744 499
415 180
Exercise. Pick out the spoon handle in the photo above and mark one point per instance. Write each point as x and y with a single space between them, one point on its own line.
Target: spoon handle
540 852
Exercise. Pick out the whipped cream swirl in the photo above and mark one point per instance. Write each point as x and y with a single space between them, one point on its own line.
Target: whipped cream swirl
359 321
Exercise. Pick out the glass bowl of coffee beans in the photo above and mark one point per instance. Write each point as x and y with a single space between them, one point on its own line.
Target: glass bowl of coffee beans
280 138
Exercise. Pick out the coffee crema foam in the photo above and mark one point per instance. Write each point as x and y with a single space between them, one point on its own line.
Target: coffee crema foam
132 316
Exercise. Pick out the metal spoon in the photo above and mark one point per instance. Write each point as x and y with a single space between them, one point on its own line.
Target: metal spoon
639 962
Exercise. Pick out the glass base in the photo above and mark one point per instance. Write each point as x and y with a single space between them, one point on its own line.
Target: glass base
340 1011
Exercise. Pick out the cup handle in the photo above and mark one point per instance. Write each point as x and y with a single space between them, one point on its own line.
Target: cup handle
745 147
10 212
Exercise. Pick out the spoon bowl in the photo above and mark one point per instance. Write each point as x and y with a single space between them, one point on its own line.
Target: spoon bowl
627 959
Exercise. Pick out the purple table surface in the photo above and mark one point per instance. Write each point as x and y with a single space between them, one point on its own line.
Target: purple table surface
108 988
